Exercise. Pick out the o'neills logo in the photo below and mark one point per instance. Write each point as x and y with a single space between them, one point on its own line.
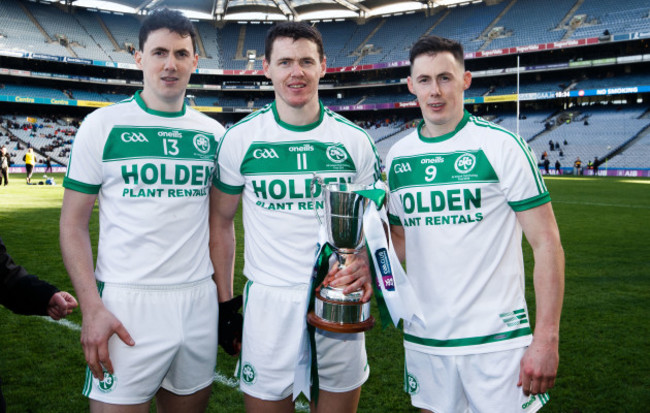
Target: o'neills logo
302 148
170 134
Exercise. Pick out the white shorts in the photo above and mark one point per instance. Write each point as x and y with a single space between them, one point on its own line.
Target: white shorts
484 382
273 324
175 333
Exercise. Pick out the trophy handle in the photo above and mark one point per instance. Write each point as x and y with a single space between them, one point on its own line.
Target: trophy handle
314 180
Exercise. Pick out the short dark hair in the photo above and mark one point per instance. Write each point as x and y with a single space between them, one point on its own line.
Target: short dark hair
431 45
296 31
166 19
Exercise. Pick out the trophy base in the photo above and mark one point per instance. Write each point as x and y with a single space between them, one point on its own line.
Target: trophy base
340 313
335 327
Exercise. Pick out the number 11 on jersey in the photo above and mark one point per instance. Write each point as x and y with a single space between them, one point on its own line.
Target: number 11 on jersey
302 161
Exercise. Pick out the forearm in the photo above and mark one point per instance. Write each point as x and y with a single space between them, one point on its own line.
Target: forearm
222 253
397 236
223 208
78 260
74 238
548 279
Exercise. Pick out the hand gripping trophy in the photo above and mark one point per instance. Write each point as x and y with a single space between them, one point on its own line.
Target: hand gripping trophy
343 224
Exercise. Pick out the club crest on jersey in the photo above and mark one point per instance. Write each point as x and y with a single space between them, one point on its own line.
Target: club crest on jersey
336 154
265 153
201 143
465 163
108 383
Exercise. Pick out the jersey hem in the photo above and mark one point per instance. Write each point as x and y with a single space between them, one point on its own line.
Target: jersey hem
511 344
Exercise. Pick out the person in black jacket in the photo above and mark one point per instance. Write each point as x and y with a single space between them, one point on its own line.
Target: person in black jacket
24 293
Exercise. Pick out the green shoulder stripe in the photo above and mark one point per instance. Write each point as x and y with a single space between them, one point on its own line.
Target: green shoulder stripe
541 187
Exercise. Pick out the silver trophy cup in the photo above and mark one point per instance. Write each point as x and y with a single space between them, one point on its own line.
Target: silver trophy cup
343 220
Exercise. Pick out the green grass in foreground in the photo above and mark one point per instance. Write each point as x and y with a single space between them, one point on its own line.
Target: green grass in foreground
605 336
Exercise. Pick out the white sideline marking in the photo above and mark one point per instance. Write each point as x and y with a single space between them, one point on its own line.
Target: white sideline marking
231 382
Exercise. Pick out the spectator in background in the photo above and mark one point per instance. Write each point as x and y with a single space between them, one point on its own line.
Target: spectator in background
577 166
48 164
30 162
558 167
547 164
5 161
25 294
596 163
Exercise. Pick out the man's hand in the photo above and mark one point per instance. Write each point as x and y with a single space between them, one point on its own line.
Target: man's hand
356 275
538 367
97 328
61 304
230 325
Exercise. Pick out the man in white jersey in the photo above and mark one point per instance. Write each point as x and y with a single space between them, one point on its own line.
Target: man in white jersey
462 190
148 306
269 159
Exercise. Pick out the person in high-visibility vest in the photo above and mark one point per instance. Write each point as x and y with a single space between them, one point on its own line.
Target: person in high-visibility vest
30 162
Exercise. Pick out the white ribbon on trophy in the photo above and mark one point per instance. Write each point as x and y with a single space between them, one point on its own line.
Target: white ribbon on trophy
397 291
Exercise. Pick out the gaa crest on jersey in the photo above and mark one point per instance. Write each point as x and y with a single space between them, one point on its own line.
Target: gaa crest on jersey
248 375
336 154
108 383
201 143
465 163
265 153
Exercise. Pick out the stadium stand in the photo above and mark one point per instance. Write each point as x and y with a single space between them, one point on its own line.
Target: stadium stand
36 27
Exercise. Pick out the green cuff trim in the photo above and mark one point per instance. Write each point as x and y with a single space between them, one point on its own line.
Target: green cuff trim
469 341
232 190
394 220
530 203
80 186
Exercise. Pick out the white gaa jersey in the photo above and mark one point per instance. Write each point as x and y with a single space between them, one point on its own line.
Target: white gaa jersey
456 197
273 164
152 171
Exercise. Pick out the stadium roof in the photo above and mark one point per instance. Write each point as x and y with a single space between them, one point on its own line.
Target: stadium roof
271 10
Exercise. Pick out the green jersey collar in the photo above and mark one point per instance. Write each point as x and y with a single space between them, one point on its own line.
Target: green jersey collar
301 128
446 136
143 106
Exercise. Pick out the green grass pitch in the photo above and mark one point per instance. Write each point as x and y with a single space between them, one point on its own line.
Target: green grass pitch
605 335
